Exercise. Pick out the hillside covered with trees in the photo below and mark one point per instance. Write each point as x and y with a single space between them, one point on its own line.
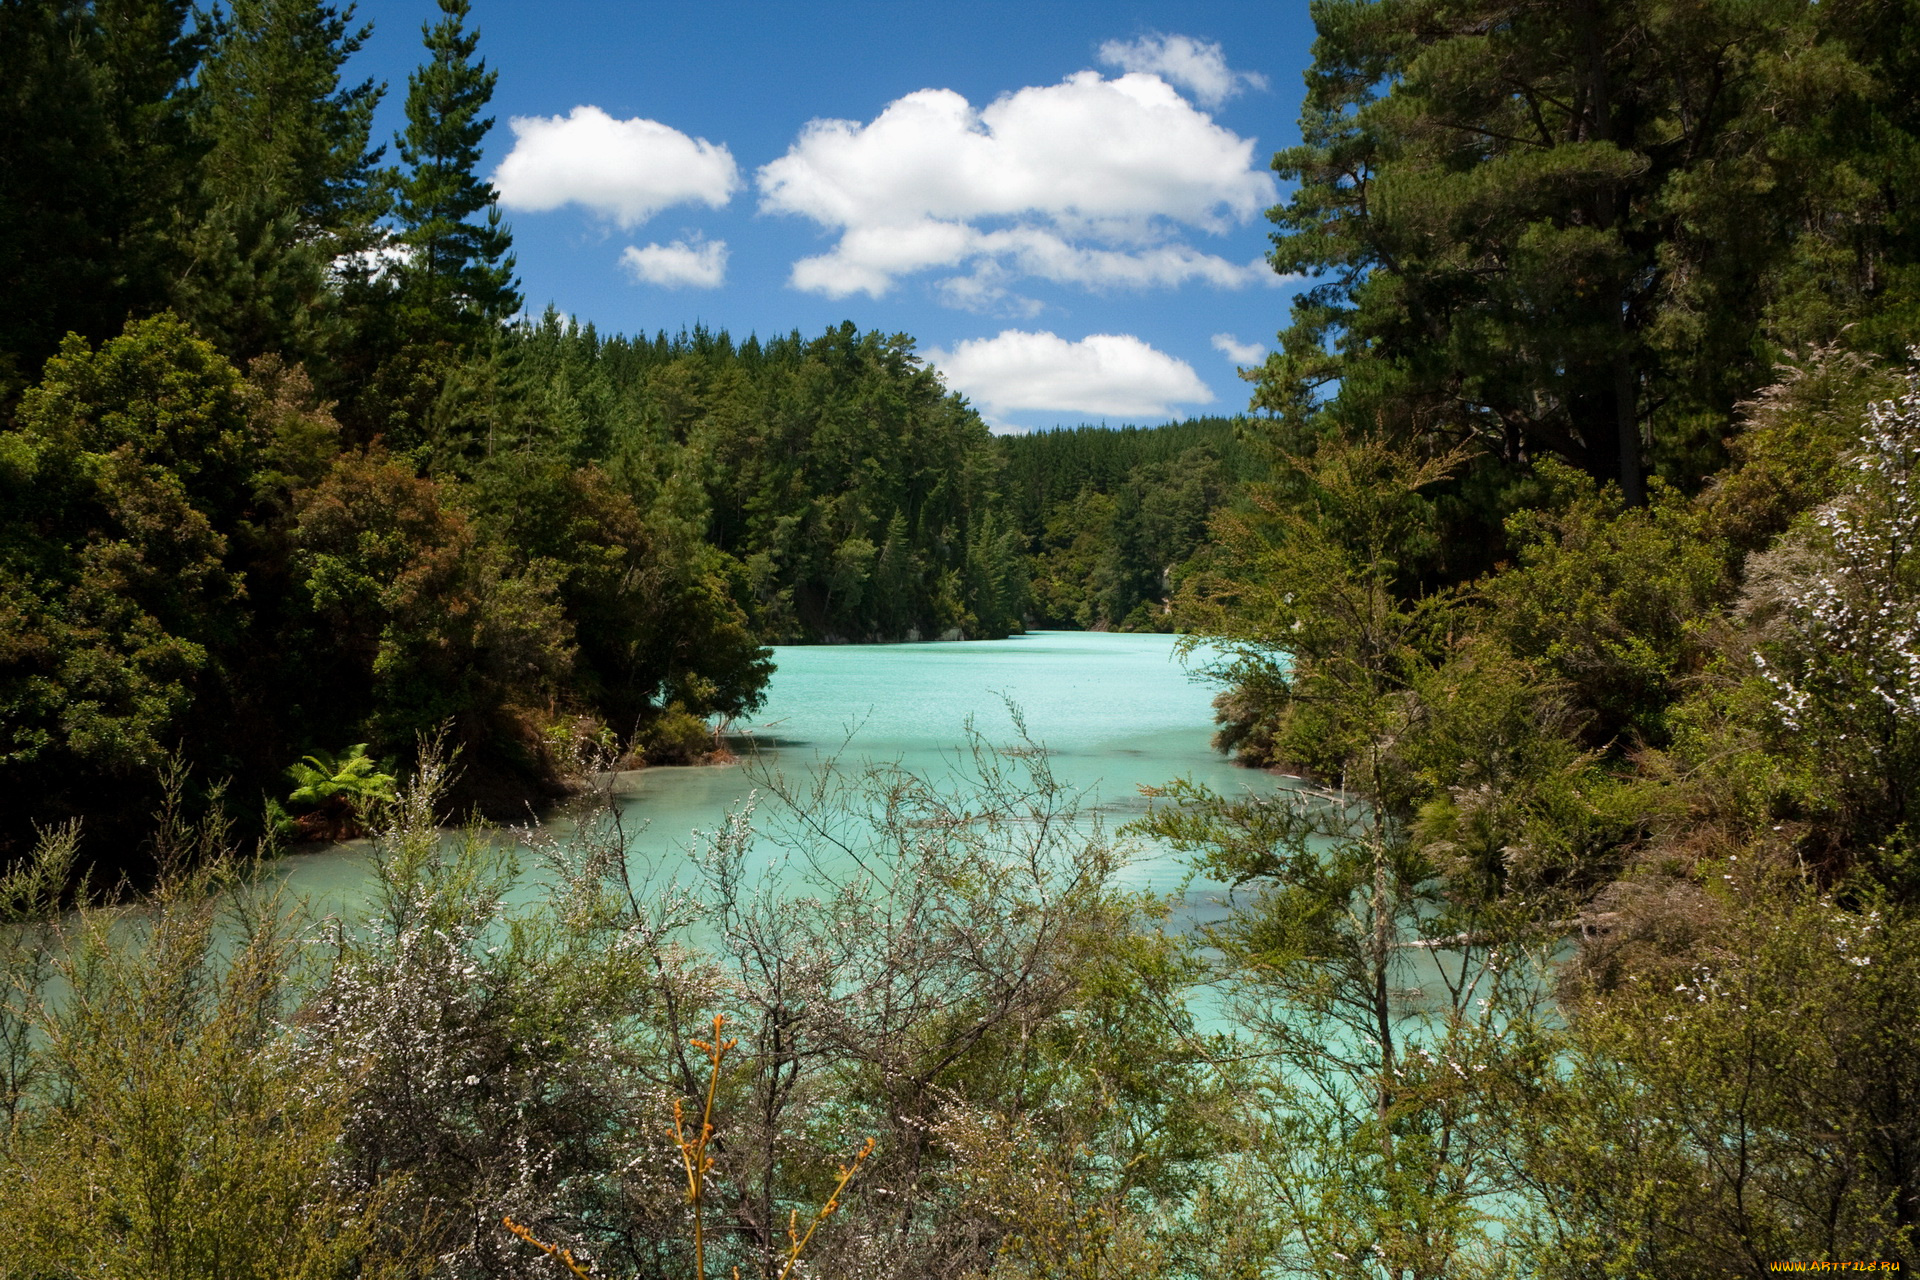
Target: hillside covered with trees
1114 517
1582 595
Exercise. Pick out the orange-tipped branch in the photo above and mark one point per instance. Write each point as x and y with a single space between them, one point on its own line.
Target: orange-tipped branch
798 1241
693 1151
551 1250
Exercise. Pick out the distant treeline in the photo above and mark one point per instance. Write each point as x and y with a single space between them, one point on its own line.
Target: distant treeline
859 498
1112 517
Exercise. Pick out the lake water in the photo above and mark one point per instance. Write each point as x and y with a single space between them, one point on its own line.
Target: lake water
1115 712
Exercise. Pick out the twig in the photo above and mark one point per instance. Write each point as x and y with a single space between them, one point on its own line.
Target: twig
693 1151
799 1241
698 1164
551 1250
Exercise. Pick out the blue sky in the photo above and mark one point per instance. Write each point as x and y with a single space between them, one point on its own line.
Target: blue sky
1062 202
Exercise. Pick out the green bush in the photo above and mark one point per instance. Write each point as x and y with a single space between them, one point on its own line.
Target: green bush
677 736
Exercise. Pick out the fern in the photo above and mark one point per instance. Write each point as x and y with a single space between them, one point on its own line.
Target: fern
351 776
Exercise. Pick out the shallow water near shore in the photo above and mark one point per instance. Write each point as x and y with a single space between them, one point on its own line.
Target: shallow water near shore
1115 712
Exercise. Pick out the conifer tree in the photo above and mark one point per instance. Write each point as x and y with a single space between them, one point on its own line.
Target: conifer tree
1549 228
458 271
288 179
95 167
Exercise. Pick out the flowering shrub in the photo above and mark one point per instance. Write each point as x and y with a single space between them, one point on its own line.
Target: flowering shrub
1843 666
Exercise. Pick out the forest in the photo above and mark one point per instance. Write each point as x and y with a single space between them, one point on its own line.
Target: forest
1560 580
264 395
524 529
1113 519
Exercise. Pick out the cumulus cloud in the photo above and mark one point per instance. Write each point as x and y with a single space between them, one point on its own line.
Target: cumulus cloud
1198 66
626 170
375 263
1237 351
698 264
1105 375
1090 182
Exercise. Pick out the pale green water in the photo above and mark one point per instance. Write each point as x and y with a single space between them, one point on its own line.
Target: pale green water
1116 712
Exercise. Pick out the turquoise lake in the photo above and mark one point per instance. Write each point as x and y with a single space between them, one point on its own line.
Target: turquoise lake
1116 712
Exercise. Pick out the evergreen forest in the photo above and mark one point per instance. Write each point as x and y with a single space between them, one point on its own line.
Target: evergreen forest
1560 585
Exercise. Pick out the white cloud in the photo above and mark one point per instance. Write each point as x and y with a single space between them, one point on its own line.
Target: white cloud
699 264
1105 375
626 170
1237 351
1089 182
1198 66
374 263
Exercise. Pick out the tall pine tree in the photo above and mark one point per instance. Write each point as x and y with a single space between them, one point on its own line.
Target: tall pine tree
458 272
1548 227
288 180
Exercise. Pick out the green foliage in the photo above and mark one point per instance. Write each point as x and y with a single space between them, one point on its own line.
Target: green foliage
352 776
96 169
1835 644
604 528
1313 609
1392 942
287 179
1047 468
1858 265
1745 1106
164 397
851 496
1675 736
125 484
1792 438
1116 518
1554 230
1609 601
654 619
428 620
168 1126
456 273
678 737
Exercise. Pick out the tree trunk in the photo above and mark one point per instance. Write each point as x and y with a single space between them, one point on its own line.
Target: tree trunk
1610 211
1627 417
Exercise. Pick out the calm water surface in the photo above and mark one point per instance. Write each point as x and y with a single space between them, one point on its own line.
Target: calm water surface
1116 712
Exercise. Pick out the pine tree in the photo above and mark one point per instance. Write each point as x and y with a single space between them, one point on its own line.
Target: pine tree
95 167
458 271
1551 228
288 179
